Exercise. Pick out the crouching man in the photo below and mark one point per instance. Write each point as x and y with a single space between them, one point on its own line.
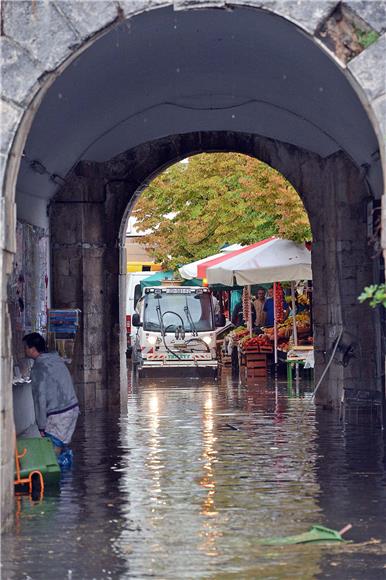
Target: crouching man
56 404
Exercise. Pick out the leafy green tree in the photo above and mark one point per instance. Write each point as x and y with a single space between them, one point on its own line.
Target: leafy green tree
194 208
376 294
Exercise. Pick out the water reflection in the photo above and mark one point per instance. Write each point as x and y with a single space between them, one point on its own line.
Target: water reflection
192 475
209 533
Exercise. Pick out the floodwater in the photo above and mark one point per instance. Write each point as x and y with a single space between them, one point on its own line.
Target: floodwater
185 481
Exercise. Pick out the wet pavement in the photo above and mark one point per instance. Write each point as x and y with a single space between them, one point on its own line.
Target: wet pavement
186 479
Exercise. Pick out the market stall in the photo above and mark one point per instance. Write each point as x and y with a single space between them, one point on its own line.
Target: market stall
269 261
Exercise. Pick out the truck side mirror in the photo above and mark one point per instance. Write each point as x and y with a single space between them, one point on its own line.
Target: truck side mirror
135 320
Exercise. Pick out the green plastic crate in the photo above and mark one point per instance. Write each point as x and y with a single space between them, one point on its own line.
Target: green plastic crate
40 456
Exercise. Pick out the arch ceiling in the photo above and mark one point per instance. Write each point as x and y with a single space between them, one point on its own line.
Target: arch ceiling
166 72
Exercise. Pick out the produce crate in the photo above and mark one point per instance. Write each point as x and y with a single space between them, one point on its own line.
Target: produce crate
256 364
256 373
266 349
256 357
249 350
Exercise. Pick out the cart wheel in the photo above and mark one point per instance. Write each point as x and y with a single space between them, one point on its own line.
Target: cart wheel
36 487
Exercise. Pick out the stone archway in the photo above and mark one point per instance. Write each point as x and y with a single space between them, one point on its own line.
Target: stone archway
334 194
40 41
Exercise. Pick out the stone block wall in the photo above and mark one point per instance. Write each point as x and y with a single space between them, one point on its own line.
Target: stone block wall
85 262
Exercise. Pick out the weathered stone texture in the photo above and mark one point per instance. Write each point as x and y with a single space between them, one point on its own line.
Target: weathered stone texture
305 14
367 69
6 413
40 29
345 33
19 73
379 108
7 233
373 12
199 4
308 15
133 7
10 116
3 165
7 485
86 393
102 397
88 17
97 361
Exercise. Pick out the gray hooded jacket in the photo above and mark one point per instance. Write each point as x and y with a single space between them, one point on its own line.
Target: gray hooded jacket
52 387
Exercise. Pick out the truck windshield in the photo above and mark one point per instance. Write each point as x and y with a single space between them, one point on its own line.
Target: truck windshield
174 308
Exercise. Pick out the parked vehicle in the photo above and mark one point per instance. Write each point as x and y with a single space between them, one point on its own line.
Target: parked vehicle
133 294
175 329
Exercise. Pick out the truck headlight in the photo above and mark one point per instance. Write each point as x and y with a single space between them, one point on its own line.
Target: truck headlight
152 340
207 340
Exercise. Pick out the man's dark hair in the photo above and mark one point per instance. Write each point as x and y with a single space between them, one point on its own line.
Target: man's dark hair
35 339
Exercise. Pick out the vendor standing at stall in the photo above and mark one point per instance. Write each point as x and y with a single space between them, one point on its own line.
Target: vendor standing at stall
269 308
259 304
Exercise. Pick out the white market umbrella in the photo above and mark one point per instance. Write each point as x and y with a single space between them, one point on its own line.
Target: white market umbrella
190 271
271 260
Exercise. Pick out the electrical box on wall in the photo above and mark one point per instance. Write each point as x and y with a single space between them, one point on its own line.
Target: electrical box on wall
63 326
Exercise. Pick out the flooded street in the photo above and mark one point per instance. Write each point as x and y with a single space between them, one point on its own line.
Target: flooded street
192 474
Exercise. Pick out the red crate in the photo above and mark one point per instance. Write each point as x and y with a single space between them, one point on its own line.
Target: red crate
267 349
256 357
256 364
252 349
255 373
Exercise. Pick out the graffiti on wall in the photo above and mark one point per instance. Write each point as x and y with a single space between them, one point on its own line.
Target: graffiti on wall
28 285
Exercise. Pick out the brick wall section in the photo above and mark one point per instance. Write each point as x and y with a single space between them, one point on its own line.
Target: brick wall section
41 38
